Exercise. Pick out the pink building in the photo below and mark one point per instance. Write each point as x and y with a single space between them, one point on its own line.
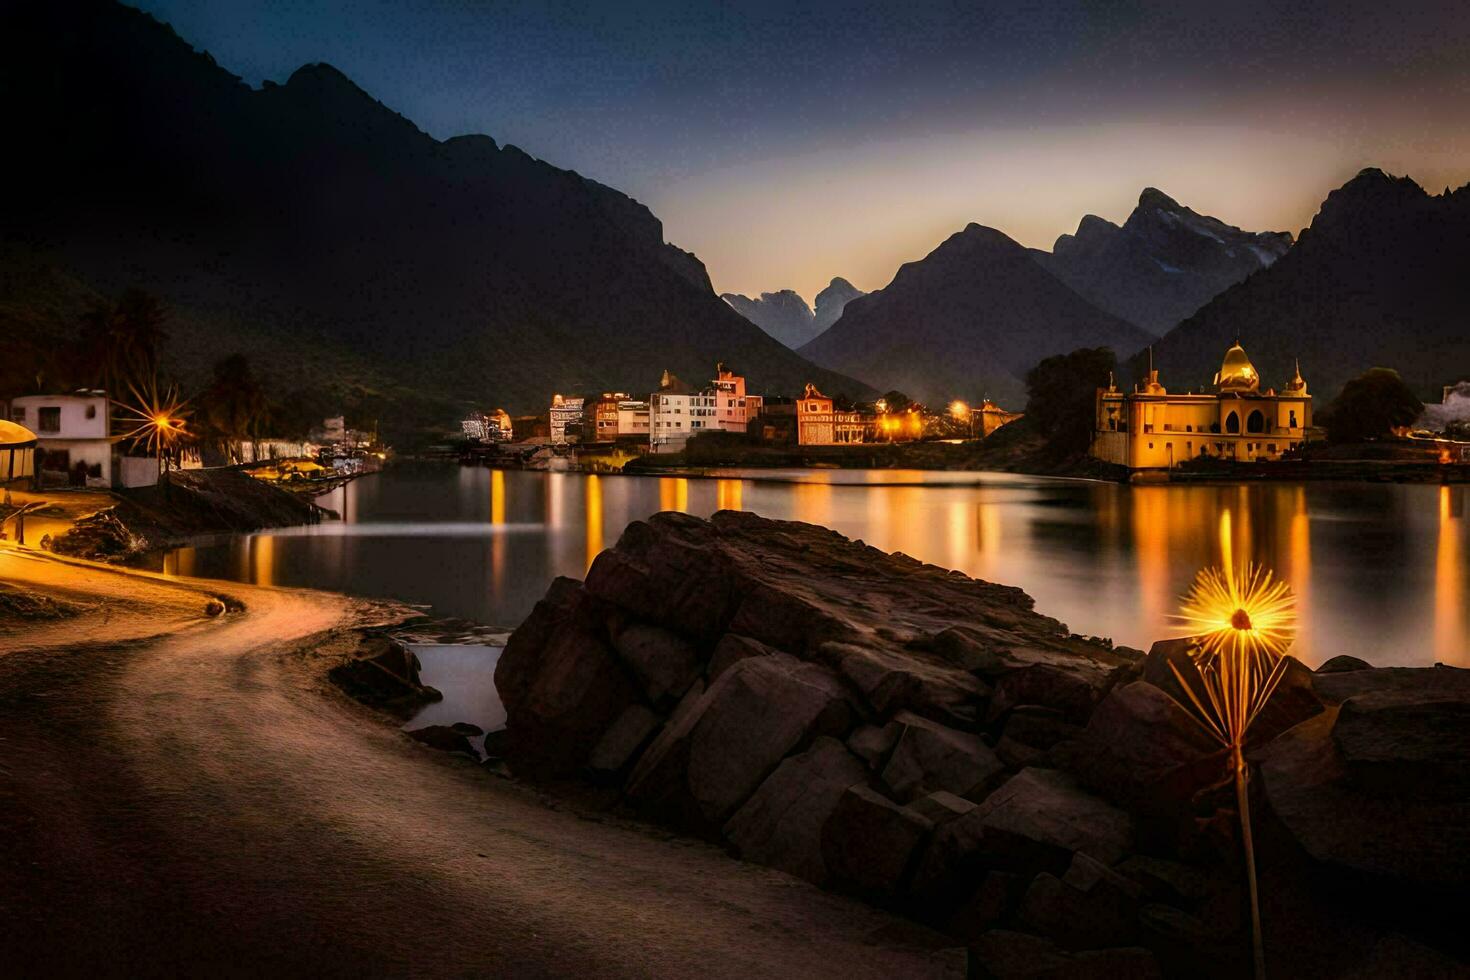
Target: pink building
734 409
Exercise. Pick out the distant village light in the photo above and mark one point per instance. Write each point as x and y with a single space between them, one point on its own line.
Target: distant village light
959 409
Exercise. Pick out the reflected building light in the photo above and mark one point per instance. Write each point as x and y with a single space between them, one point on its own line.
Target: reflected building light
728 494
959 536
1449 586
594 517
263 559
812 502
555 492
673 493
1150 515
987 531
497 497
1299 570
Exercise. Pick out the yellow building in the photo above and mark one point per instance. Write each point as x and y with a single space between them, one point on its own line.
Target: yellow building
1149 428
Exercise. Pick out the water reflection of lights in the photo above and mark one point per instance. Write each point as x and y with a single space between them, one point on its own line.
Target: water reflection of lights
728 495
497 497
1449 589
594 518
673 493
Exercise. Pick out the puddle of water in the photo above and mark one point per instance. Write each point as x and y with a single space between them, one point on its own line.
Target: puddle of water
465 674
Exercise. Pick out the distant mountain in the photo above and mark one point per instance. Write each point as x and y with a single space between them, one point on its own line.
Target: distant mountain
1165 262
1379 280
325 235
831 301
967 321
784 315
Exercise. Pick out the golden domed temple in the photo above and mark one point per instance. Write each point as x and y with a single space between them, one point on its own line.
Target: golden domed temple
1149 428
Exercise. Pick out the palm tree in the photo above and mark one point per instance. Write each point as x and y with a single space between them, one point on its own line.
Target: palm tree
234 405
120 341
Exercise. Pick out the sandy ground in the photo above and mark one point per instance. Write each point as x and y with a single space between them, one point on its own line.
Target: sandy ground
180 794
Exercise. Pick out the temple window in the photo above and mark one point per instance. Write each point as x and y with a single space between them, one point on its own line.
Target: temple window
1232 422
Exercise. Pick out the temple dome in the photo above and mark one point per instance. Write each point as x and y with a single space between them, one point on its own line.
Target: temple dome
1237 373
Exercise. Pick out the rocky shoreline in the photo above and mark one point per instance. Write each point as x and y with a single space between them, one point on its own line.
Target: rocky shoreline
150 520
930 743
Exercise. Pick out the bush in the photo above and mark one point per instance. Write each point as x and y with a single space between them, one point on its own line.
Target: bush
1061 397
1371 406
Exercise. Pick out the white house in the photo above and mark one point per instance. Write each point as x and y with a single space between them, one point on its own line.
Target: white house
735 409
70 430
676 413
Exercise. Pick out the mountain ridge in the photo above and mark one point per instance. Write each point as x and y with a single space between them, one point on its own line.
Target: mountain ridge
318 221
966 321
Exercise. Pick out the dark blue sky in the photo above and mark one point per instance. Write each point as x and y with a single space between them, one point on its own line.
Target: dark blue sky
789 143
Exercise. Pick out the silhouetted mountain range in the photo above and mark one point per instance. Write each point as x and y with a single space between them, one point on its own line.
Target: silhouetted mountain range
313 228
1380 279
968 320
830 303
785 315
1162 264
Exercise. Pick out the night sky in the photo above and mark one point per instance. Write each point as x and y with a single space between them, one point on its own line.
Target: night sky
788 143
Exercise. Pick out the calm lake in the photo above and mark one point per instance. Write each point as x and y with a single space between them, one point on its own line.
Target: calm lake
1380 569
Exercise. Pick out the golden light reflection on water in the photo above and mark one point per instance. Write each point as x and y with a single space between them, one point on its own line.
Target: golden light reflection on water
1106 560
594 518
728 495
1449 594
673 493
263 559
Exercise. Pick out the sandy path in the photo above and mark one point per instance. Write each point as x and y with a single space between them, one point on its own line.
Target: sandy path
196 800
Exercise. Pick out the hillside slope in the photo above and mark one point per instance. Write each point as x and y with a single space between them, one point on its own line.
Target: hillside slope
315 229
966 321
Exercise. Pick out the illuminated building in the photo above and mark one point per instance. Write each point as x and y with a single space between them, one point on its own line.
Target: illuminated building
989 417
73 431
818 423
734 409
1149 428
566 419
677 412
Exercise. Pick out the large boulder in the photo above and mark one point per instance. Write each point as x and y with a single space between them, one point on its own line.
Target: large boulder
1044 813
1294 700
929 756
869 843
707 763
781 824
664 663
564 699
1406 744
1411 841
1089 907
1143 750
384 673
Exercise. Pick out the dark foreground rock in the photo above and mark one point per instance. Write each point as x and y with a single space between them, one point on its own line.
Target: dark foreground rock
932 744
384 673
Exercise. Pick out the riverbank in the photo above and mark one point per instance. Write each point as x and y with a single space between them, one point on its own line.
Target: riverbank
135 526
186 794
1014 448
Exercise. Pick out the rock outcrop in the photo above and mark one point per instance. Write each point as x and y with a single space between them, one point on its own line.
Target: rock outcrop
932 744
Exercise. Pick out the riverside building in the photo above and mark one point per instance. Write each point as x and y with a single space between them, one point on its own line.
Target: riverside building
1151 428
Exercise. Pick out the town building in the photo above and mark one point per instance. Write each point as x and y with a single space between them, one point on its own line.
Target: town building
734 409
487 427
819 423
677 412
634 420
73 435
989 417
566 419
1150 428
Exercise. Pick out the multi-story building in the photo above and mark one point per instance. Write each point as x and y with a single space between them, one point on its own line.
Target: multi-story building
677 412
634 420
818 423
1149 428
73 434
734 409
989 417
566 419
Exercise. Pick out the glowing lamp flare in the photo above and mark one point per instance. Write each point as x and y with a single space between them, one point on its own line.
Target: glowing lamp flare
1242 623
959 409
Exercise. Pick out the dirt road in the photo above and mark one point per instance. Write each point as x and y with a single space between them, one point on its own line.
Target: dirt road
180 794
